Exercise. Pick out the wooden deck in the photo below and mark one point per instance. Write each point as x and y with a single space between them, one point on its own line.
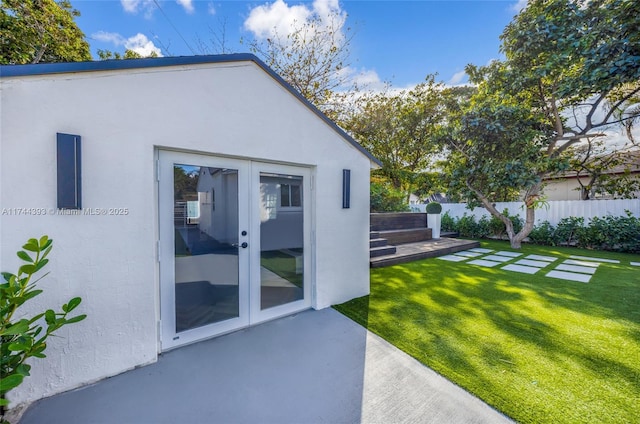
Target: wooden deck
424 249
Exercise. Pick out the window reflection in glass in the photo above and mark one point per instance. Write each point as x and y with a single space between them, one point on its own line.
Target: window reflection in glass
281 240
206 262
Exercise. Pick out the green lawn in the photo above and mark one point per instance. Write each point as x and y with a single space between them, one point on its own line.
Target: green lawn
539 349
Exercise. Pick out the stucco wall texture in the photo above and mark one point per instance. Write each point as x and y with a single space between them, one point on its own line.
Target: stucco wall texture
124 117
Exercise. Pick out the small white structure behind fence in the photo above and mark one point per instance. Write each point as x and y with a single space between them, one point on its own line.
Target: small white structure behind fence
556 210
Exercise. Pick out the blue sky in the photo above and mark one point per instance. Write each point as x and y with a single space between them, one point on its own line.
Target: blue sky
396 41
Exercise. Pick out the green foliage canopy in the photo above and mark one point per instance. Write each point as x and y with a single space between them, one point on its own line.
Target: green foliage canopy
397 128
33 31
563 58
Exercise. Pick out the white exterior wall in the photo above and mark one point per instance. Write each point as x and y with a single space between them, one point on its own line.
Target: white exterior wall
567 189
233 109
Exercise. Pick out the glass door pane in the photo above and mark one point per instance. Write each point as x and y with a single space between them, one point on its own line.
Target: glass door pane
205 217
281 239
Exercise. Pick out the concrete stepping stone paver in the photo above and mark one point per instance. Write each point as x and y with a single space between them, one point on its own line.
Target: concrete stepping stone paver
635 263
497 258
483 262
576 268
468 254
571 276
542 258
581 263
521 268
589 258
529 262
480 250
507 253
452 258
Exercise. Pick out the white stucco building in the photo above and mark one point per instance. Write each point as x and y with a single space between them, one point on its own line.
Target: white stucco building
187 197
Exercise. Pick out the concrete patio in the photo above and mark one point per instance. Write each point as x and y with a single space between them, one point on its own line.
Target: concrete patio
314 367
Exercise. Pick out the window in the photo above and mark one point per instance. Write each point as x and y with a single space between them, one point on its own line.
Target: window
290 195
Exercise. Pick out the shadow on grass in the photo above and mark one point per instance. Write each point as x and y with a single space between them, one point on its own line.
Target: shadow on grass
537 348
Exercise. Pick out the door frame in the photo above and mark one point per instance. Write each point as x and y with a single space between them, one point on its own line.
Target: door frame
257 315
169 338
249 259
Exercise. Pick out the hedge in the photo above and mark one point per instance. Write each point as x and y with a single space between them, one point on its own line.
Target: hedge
614 233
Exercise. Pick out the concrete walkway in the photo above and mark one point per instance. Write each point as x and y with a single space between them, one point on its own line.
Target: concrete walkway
314 367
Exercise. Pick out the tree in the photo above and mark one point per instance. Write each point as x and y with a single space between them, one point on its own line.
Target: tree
314 58
397 128
33 31
567 63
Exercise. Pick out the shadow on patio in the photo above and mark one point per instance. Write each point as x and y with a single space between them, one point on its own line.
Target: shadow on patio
314 367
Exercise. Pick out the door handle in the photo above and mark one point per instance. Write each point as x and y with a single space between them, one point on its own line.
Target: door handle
244 245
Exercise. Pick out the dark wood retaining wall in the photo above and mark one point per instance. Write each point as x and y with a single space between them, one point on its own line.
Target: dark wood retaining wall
397 221
400 227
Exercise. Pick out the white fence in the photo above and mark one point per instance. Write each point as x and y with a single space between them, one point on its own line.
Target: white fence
557 209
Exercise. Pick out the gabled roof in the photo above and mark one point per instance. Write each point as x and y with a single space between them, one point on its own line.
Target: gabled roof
110 65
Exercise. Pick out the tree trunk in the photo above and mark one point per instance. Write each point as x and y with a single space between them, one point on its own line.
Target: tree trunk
530 199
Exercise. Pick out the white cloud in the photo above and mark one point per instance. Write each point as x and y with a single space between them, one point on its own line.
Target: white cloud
187 5
457 78
139 43
149 6
521 4
368 78
277 17
136 6
211 9
109 37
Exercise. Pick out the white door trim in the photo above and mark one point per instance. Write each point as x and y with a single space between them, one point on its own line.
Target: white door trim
249 208
169 337
257 314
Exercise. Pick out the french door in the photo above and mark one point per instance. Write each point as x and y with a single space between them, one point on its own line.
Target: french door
234 245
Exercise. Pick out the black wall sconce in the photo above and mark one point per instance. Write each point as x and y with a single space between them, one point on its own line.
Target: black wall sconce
69 171
346 188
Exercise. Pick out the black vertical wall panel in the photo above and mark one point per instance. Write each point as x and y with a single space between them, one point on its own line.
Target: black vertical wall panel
346 188
69 171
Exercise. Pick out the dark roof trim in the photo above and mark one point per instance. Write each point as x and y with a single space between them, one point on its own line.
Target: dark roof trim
111 65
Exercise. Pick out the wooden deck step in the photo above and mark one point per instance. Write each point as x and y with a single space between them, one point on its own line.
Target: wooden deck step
409 235
374 234
382 251
426 249
377 242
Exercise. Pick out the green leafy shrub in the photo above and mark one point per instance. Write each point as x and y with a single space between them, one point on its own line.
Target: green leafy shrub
516 221
386 198
617 233
434 208
21 339
468 227
543 234
447 223
568 230
483 227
